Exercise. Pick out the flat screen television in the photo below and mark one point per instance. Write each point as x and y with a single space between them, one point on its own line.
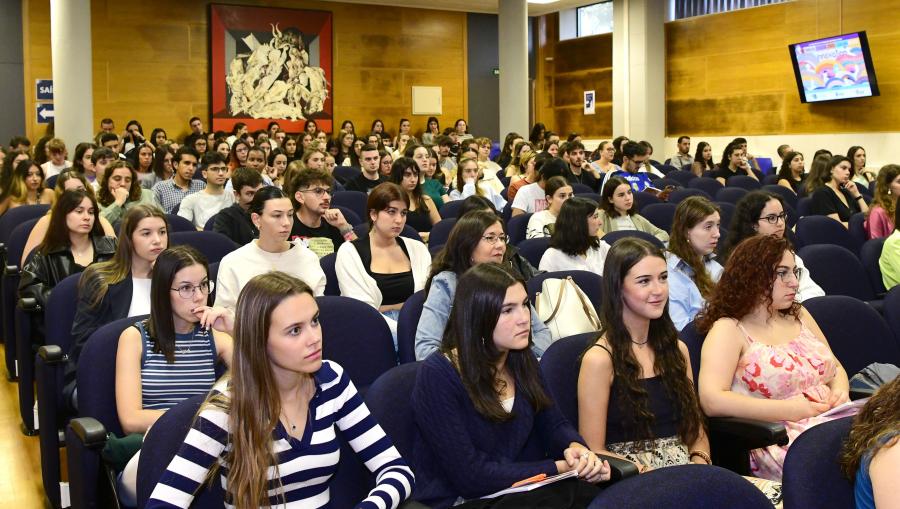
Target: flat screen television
834 68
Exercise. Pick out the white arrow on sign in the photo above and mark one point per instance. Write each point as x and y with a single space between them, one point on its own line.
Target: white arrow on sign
45 114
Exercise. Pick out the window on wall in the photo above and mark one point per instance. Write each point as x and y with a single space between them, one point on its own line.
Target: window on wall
594 19
689 8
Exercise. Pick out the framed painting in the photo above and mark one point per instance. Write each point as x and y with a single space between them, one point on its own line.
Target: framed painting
270 64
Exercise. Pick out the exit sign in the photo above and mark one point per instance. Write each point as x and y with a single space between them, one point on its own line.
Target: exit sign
44 90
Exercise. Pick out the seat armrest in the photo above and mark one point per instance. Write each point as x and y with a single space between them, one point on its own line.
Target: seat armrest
89 431
29 305
11 270
619 468
749 433
52 354
861 393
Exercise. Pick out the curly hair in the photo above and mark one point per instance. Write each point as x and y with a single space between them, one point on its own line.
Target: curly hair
105 197
871 427
668 363
747 281
689 213
746 216
886 175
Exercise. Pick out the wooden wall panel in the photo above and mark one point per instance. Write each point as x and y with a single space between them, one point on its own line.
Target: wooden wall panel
731 74
150 61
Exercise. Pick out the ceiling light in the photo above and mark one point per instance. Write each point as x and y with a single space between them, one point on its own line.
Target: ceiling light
542 1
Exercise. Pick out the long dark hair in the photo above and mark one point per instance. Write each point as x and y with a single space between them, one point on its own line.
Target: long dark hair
161 325
398 168
606 197
456 255
57 235
468 342
746 215
105 197
571 234
698 156
80 149
784 172
668 363
726 155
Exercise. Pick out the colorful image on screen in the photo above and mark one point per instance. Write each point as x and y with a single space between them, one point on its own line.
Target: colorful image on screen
833 68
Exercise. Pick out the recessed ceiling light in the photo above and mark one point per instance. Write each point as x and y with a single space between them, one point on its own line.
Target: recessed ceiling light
542 1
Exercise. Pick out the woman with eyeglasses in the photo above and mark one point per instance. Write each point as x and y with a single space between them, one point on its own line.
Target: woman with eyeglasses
764 356
762 213
477 237
170 356
382 268
575 243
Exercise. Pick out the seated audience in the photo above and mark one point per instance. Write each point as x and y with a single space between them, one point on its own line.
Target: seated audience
683 157
834 194
530 165
26 187
279 393
693 271
321 227
10 161
169 193
764 356
532 197
889 263
278 162
541 224
477 237
511 257
515 167
735 161
703 159
618 210
142 161
100 160
489 169
870 457
575 243
505 157
117 288
162 167
604 164
880 218
431 186
469 181
170 356
579 172
234 221
422 213
273 215
369 176
791 174
762 213
56 149
478 400
199 208
858 171
120 191
635 158
383 268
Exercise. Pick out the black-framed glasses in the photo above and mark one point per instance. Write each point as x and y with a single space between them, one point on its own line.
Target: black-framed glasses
186 291
318 191
774 218
493 239
784 273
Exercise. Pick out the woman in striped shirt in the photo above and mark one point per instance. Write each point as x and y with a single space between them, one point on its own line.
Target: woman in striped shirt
170 356
270 429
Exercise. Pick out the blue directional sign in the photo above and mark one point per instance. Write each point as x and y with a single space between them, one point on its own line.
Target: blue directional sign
45 113
44 90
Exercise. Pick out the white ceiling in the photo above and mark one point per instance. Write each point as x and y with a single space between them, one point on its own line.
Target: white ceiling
485 6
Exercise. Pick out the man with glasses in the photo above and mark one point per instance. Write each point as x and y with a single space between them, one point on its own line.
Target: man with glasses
634 156
198 208
321 227
370 160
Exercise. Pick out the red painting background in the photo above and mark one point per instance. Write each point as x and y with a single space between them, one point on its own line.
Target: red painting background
259 19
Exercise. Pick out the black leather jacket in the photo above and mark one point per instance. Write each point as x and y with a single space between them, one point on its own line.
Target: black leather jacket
45 271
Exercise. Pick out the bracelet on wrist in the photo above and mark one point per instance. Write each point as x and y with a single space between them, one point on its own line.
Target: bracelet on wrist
860 197
703 455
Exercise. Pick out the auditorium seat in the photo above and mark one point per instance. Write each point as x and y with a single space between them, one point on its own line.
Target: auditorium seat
812 474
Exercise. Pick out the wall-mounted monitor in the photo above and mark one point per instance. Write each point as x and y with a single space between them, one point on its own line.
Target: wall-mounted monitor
834 68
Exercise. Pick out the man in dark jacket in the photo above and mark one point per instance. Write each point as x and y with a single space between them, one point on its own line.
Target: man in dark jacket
234 221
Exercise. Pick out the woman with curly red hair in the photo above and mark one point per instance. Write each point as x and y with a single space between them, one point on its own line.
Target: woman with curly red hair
765 357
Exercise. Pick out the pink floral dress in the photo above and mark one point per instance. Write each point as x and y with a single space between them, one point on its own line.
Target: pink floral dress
803 365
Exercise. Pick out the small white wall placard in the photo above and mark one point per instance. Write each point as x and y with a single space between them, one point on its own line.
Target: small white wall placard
589 102
427 101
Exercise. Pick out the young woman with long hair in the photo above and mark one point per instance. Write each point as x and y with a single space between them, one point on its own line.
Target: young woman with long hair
432 131
382 268
858 172
422 213
469 182
345 142
270 427
162 168
636 395
542 224
120 190
119 287
405 127
506 151
431 186
791 174
703 159
172 355
734 162
575 243
762 213
26 187
515 169
693 271
529 166
618 210
880 218
477 237
82 160
834 194
240 149
764 356
603 163
480 398
142 162
871 458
